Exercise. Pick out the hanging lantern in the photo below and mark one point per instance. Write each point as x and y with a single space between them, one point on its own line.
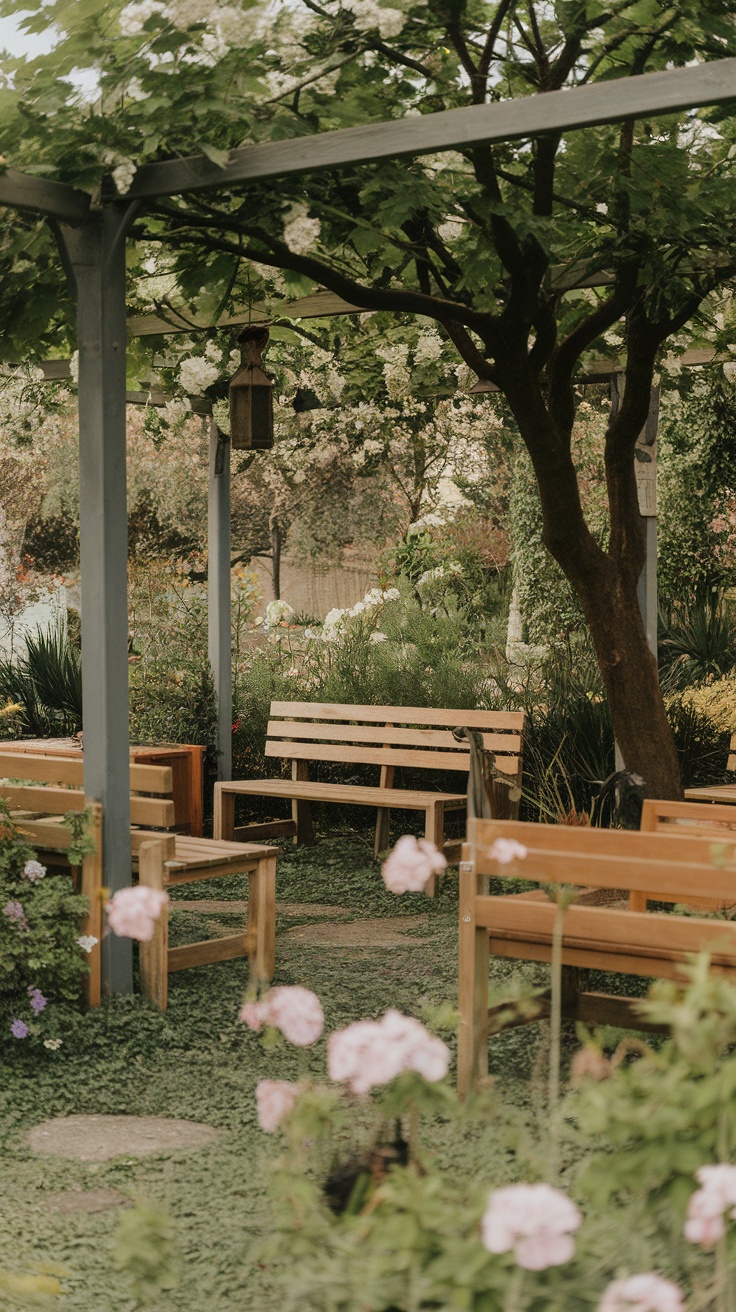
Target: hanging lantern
251 394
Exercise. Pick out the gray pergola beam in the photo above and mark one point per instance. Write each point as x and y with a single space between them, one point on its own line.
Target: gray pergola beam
55 200
450 129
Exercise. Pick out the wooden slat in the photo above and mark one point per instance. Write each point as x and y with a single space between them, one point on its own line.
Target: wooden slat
562 838
350 794
140 836
591 958
354 755
651 934
725 793
158 812
368 733
268 829
688 817
70 770
209 951
493 721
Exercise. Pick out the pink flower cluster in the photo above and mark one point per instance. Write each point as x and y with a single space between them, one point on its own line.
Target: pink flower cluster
534 1221
274 1100
133 912
645 1293
412 862
506 850
705 1222
295 1011
371 1052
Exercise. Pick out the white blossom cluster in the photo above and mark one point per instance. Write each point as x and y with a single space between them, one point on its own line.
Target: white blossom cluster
197 373
336 620
300 232
135 15
429 347
450 230
369 14
277 613
452 570
396 371
430 520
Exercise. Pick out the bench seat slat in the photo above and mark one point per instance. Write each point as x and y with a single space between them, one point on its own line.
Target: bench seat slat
354 794
389 735
355 754
409 715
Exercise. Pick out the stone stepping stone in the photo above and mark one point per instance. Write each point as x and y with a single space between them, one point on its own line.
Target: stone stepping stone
388 932
101 1138
73 1201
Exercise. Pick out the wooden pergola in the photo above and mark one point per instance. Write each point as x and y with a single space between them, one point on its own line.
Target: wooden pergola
91 240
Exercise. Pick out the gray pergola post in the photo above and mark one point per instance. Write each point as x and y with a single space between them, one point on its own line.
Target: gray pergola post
218 595
94 256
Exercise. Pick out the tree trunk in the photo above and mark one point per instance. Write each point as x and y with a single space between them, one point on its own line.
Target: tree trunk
276 556
604 581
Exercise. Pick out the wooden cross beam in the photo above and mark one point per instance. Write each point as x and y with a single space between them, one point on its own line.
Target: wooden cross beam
450 129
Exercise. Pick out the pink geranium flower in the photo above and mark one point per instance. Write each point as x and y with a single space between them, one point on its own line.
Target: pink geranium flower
534 1221
295 1011
506 850
274 1100
411 864
705 1223
645 1293
133 912
369 1053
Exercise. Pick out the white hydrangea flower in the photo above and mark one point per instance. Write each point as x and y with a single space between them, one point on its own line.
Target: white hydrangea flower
278 612
87 941
429 348
53 1045
135 15
123 175
176 409
372 446
368 14
300 232
196 374
450 230
135 91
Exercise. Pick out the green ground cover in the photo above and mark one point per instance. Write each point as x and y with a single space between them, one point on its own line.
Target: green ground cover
199 1062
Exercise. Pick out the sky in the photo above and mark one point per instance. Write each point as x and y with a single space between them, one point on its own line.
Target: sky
20 43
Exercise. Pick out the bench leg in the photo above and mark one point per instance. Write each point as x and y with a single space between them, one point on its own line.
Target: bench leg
154 955
472 1045
434 830
383 818
223 820
91 887
262 917
300 811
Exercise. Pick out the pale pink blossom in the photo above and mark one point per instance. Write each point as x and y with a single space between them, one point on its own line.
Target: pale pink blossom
296 1011
369 1053
534 1221
506 850
645 1293
274 1100
412 862
705 1222
133 912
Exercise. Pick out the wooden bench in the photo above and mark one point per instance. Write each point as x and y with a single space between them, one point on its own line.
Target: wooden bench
380 736
671 868
725 793
701 819
51 840
185 858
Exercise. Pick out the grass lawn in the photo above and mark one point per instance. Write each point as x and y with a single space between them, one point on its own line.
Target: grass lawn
199 1062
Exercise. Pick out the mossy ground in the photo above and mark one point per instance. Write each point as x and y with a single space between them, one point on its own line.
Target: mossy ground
199 1062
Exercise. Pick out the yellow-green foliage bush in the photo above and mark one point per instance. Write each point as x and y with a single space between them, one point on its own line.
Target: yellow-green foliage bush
716 699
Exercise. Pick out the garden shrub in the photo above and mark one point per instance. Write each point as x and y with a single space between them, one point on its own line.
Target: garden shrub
41 960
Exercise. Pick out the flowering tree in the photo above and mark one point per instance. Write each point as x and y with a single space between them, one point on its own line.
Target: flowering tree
484 242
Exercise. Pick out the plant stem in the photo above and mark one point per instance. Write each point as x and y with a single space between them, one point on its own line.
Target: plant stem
554 1050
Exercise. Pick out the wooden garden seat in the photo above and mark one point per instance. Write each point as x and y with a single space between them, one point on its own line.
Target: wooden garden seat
701 819
667 867
184 858
725 793
380 736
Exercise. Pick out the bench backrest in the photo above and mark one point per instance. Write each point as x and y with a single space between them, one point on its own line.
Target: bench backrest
731 762
392 735
58 787
702 819
667 867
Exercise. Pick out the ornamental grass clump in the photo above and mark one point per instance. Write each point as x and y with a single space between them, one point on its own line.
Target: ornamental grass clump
42 956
